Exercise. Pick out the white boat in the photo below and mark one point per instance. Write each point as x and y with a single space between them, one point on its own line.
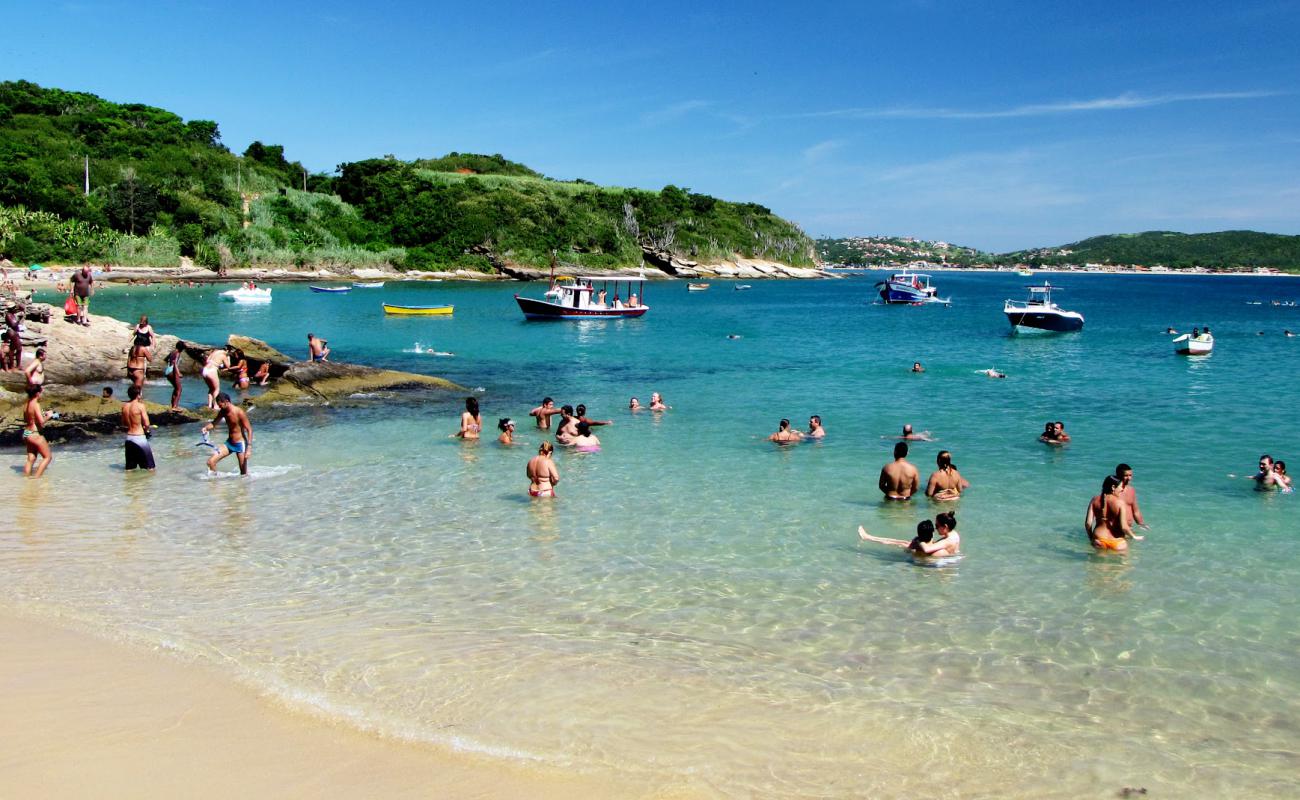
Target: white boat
1188 345
1039 313
1025 273
246 295
578 298
740 287
697 287
368 285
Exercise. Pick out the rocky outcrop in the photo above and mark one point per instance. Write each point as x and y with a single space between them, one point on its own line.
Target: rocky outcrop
78 355
81 415
307 382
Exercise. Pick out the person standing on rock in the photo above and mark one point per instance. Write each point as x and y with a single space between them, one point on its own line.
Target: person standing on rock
82 288
34 433
239 434
135 418
317 348
35 371
173 373
217 360
14 337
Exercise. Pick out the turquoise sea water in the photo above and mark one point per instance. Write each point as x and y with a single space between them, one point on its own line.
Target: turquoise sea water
696 611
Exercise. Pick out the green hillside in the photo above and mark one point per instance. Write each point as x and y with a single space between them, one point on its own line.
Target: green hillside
1222 250
162 187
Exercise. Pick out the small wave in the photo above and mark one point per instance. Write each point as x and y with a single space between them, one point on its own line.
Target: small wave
372 395
254 473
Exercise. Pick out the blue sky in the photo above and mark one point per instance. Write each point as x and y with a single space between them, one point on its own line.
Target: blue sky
993 124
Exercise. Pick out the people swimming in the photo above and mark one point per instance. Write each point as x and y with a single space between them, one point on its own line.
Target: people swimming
945 483
471 421
585 441
1106 521
815 428
785 434
908 435
992 372
924 546
899 479
1054 433
507 428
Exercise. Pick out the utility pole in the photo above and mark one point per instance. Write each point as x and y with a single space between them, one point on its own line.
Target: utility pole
304 179
87 176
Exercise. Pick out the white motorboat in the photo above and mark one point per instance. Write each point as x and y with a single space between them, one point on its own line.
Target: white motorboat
368 285
1039 313
247 294
1188 345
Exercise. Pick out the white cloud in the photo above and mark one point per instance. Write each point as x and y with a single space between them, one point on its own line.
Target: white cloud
821 150
1128 100
673 112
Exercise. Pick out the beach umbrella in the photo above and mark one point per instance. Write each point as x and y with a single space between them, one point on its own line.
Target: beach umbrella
35 267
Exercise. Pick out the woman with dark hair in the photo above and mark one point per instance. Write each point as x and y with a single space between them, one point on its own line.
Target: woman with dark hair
1107 521
173 373
142 338
945 483
924 546
239 367
507 428
585 441
471 422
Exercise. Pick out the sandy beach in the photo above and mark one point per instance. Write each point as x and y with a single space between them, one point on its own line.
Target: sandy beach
85 717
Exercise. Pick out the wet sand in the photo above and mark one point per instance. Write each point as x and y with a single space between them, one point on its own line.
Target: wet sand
86 717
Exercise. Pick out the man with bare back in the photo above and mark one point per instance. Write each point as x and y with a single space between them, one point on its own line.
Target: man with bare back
135 418
899 479
239 434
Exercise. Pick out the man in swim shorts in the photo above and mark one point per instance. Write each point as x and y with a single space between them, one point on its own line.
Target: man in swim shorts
543 413
318 348
239 434
82 288
135 418
899 479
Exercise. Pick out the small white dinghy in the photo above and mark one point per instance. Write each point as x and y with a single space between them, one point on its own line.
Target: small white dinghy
1187 345
246 295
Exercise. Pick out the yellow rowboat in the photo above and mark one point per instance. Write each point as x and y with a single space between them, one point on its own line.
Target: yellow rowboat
442 311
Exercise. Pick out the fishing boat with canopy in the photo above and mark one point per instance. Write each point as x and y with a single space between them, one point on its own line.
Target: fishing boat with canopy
588 297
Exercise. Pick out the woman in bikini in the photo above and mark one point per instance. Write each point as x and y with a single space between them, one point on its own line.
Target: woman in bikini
945 483
1106 522
216 361
542 474
136 366
471 421
239 368
173 373
585 442
33 433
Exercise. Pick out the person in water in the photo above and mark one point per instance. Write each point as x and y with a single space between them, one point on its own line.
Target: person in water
1058 430
507 428
317 348
568 427
581 413
634 405
34 419
1266 478
916 367
1106 521
992 373
541 472
544 412
1128 494
471 421
172 371
945 483
909 436
585 441
785 434
657 402
239 434
135 418
1048 436
899 479
263 374
815 429
1280 477
216 361
137 366
924 545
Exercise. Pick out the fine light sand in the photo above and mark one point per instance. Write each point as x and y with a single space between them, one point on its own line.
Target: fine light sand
84 717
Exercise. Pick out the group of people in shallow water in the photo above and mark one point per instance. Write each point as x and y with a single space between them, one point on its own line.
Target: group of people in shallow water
1112 514
1272 475
574 429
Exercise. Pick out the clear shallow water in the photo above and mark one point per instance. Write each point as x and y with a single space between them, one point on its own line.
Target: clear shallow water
696 609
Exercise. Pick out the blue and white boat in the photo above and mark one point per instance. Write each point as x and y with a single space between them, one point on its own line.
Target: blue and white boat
1039 313
909 288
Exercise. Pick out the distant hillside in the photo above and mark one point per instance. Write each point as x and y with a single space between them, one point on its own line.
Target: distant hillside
162 187
1223 250
873 251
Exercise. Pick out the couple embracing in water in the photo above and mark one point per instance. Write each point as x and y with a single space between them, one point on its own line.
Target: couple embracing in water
924 546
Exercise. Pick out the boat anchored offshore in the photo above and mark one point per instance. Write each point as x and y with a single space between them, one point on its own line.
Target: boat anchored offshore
578 298
1200 344
368 285
909 288
331 289
423 311
697 287
1039 313
247 294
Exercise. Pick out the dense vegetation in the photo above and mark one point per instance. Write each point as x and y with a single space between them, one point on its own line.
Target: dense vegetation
161 187
1223 250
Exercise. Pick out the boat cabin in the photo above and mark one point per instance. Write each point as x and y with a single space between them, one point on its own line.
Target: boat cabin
597 293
